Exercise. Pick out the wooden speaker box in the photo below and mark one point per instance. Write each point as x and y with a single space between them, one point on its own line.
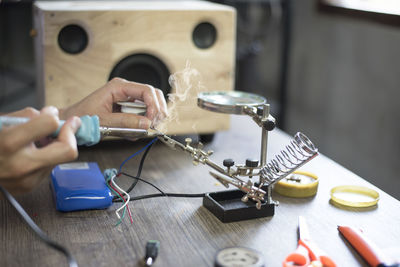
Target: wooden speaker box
79 46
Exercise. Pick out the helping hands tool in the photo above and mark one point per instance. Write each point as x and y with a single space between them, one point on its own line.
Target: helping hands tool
296 154
307 253
90 132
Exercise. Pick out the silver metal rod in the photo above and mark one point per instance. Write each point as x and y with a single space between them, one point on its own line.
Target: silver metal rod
126 132
215 166
264 137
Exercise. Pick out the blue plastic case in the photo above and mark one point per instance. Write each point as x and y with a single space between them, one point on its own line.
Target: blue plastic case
80 186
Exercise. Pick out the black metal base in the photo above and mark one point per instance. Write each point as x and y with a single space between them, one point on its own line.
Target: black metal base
227 206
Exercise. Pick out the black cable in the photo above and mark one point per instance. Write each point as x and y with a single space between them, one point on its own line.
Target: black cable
137 179
139 172
71 261
144 181
164 195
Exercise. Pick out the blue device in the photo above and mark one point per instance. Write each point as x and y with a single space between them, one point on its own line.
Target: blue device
80 186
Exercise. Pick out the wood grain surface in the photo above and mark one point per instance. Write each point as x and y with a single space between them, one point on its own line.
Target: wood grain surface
188 233
117 30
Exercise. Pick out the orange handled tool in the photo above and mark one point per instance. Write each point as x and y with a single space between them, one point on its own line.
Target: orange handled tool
365 247
307 253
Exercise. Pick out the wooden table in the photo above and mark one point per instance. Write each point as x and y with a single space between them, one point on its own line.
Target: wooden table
189 234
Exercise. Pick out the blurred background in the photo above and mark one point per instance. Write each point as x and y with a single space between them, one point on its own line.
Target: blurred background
329 68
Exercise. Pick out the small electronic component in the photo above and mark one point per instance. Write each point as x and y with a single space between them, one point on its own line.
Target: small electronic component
152 248
80 186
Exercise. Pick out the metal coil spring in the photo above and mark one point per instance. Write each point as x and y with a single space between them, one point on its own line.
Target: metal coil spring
297 153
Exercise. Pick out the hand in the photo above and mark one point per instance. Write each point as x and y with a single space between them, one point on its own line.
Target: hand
101 103
23 164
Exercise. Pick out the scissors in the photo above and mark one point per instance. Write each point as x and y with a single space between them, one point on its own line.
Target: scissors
307 254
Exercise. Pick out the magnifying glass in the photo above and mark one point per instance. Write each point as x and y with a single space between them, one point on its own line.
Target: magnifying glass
230 102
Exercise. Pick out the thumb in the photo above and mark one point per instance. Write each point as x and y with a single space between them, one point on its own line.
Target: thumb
125 120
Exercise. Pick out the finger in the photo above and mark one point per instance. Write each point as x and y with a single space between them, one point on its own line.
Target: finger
19 136
49 110
125 120
163 104
150 98
64 148
26 112
125 90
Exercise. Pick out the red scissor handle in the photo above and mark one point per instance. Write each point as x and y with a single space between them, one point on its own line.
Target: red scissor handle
298 258
307 253
317 254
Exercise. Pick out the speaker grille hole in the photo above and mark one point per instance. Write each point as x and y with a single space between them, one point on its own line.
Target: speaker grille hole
143 68
204 35
72 39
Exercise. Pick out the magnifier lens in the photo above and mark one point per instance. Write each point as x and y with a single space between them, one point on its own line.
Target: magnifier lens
231 102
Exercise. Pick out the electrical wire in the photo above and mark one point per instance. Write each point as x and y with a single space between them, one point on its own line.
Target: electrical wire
144 181
137 178
136 153
115 191
128 197
139 172
71 261
161 194
165 195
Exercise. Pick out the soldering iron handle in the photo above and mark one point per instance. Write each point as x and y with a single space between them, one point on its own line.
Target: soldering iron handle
88 134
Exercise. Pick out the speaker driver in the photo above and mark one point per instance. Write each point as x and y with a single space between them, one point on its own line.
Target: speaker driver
72 39
143 68
204 35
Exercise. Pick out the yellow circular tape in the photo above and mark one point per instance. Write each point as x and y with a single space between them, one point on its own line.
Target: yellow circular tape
306 185
354 196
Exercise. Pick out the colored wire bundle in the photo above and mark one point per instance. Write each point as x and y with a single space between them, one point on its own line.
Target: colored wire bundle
111 174
71 261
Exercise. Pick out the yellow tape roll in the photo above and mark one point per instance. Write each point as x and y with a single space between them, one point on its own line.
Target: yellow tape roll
298 184
354 196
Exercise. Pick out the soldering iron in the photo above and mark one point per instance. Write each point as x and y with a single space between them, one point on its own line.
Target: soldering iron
90 131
